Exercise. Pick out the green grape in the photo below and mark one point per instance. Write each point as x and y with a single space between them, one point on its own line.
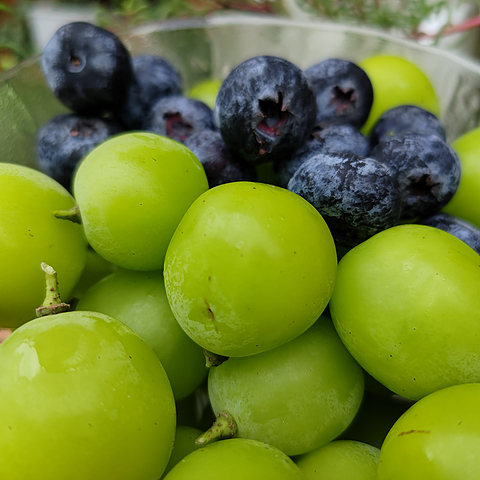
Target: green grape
297 397
340 460
132 191
397 81
184 444
236 459
250 267
406 306
83 397
138 300
29 235
206 91
438 438
465 203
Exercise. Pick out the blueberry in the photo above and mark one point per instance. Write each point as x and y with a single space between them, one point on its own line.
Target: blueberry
178 117
66 139
265 109
220 164
427 169
343 90
88 68
153 78
461 229
357 196
405 119
343 138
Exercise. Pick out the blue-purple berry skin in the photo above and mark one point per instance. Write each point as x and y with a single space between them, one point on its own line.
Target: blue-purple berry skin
427 169
357 196
343 91
220 164
66 139
265 109
457 227
88 68
405 119
343 138
153 78
178 117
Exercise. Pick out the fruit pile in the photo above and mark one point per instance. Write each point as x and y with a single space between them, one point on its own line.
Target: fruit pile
321 324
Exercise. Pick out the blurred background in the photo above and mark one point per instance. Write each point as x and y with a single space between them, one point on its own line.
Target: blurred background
26 25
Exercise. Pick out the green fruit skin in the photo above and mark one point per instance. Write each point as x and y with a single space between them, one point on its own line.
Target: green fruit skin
397 81
236 459
406 306
132 191
29 235
438 438
465 203
83 397
250 267
297 397
340 460
206 91
138 300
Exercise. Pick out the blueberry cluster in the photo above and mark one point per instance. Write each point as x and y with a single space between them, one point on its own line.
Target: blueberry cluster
305 123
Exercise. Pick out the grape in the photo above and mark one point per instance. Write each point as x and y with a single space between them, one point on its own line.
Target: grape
250 267
397 81
138 300
436 439
297 396
206 91
236 459
406 306
132 191
184 444
340 460
82 397
29 235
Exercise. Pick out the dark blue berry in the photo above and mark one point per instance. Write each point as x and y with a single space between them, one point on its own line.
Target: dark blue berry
153 79
357 196
427 170
342 138
265 109
461 229
178 117
405 119
66 139
220 164
88 68
343 90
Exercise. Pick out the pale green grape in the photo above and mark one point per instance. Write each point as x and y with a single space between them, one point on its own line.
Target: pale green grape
251 266
83 397
297 397
438 438
340 460
138 300
236 459
29 235
132 191
184 444
406 306
206 91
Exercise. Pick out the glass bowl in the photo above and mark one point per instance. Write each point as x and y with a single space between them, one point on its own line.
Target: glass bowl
212 46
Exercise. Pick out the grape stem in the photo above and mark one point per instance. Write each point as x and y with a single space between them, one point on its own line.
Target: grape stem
72 214
213 359
52 303
223 427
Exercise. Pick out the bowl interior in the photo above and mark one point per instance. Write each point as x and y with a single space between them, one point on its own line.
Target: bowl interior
213 46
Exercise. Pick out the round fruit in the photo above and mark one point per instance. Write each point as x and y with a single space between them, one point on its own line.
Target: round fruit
132 191
465 203
206 91
250 267
437 438
29 235
82 396
406 306
397 81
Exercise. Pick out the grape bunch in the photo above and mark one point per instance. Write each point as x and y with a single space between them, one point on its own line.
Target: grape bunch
195 320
